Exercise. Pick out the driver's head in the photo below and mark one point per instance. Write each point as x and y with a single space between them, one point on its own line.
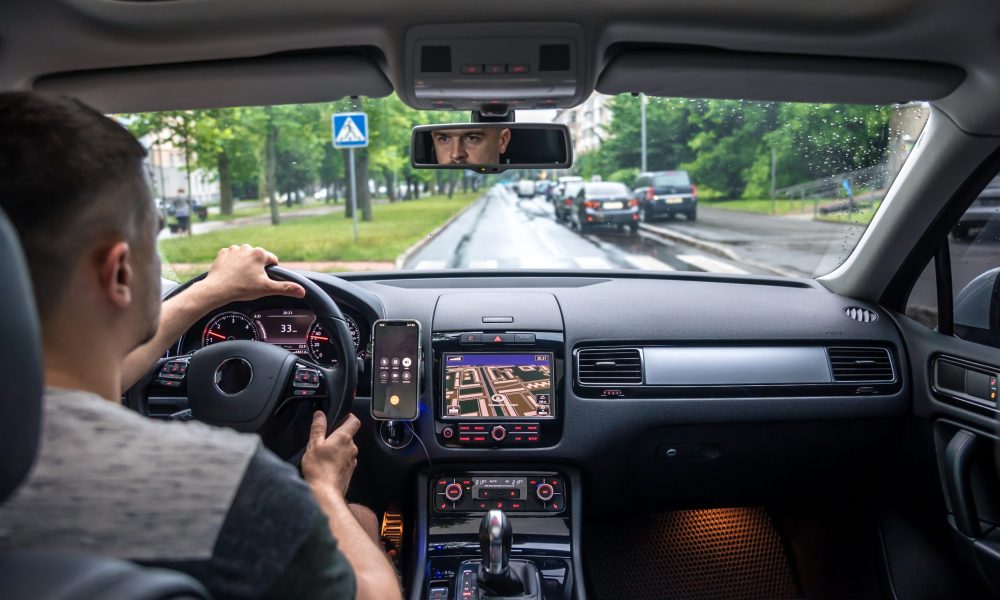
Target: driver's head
72 183
481 146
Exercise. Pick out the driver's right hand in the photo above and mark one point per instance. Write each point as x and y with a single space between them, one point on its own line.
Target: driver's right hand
330 460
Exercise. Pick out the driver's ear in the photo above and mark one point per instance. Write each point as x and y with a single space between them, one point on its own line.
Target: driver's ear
504 140
115 272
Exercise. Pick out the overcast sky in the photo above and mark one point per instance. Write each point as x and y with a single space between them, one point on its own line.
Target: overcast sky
534 116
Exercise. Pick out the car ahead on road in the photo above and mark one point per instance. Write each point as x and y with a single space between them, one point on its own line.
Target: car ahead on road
564 199
985 207
604 203
665 194
560 187
526 188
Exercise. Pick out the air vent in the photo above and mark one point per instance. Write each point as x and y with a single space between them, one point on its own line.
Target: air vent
860 365
435 59
553 57
862 315
609 366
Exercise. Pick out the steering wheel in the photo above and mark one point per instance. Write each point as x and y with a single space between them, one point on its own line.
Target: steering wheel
257 387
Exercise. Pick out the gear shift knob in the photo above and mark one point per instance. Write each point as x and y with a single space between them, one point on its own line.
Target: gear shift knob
495 537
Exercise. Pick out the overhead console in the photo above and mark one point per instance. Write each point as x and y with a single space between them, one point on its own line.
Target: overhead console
498 364
473 66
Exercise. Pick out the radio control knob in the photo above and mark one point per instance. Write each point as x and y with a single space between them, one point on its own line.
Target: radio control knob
453 492
498 433
544 492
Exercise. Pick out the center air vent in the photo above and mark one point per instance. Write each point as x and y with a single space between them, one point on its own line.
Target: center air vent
862 315
609 366
857 365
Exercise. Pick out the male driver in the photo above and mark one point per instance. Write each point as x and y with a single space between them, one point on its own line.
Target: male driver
206 501
480 146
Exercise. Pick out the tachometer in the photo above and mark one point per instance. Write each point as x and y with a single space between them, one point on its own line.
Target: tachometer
321 347
229 326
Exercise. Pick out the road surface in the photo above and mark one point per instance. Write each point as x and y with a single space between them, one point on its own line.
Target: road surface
502 231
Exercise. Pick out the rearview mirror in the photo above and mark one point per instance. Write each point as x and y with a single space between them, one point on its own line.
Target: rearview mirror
491 147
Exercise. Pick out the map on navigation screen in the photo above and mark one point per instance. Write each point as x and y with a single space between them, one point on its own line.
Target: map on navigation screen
498 385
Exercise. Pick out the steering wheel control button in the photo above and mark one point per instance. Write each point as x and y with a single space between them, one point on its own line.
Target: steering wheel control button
453 492
498 433
233 376
545 491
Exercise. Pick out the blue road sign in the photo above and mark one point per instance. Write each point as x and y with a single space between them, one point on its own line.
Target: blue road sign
350 130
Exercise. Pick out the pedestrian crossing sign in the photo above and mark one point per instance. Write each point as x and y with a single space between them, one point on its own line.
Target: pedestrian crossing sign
350 130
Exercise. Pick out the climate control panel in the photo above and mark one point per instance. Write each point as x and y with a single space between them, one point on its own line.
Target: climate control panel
511 492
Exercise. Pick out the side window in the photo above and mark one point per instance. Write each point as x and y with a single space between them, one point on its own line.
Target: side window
974 266
974 245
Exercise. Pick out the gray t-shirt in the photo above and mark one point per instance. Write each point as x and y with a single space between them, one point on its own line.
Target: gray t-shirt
207 501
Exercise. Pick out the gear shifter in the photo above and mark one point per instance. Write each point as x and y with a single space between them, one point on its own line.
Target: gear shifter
498 575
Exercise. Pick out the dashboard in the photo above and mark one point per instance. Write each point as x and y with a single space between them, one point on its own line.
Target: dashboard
638 380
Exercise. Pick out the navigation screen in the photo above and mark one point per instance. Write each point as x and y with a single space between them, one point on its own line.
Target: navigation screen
498 385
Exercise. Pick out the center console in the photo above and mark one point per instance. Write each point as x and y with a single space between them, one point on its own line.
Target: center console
539 507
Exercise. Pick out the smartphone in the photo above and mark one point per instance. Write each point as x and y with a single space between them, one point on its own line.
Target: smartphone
395 370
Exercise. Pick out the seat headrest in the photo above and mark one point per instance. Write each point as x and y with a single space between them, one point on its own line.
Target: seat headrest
21 375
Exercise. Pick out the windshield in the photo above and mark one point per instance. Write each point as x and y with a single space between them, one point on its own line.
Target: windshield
714 186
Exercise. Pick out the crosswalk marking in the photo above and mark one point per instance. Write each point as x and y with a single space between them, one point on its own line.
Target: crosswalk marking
484 264
425 265
707 263
647 263
592 262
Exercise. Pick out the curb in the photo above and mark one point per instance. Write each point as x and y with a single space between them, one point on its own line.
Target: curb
717 249
712 247
419 244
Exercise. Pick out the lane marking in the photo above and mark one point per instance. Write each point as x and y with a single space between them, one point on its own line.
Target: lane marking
425 265
647 263
592 262
484 264
711 265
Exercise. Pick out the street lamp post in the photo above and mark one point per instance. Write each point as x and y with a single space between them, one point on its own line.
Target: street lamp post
642 112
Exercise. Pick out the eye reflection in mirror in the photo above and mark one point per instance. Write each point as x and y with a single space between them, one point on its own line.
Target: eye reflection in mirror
470 146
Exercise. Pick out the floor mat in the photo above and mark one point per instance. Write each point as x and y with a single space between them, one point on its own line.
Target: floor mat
717 554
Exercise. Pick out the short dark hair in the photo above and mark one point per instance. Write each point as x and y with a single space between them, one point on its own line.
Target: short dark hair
69 176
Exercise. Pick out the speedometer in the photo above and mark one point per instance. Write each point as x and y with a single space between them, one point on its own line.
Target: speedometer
321 347
228 326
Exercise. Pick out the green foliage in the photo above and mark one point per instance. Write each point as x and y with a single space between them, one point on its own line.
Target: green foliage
726 145
626 176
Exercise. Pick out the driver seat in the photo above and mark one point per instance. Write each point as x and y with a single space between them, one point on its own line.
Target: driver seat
51 575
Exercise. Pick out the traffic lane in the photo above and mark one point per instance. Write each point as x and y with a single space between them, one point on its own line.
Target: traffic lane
504 231
794 243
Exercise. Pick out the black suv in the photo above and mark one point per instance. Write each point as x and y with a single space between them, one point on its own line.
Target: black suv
665 194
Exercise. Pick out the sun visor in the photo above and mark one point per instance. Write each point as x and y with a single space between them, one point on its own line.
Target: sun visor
216 84
696 73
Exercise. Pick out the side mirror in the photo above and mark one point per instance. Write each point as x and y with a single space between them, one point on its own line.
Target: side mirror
977 309
491 147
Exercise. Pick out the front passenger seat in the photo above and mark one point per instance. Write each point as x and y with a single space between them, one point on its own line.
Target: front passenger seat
27 575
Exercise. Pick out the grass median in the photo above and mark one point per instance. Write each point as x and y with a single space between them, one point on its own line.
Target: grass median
393 229
763 206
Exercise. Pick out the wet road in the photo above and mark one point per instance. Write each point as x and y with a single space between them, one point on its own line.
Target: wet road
502 231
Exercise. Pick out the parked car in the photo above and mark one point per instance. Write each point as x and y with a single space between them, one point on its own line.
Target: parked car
564 199
555 192
665 194
604 203
983 208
